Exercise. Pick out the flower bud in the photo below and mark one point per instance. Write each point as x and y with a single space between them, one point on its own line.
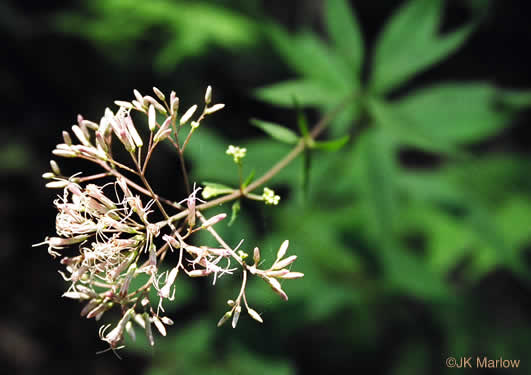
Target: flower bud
48 175
213 220
159 93
90 151
164 131
55 167
189 113
130 330
159 325
139 319
199 273
123 104
236 316
58 242
132 130
76 295
122 134
256 255
292 275
138 106
284 262
153 256
138 96
149 99
66 138
104 126
100 141
109 114
282 250
152 119
91 124
208 95
237 153
64 153
255 315
224 318
83 126
174 105
89 307
95 192
278 273
128 278
214 108
149 333
166 321
275 285
80 135
99 310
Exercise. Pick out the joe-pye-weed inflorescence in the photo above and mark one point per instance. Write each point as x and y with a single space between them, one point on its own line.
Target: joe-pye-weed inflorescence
106 236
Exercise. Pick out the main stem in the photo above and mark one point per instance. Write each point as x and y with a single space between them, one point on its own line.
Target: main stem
301 145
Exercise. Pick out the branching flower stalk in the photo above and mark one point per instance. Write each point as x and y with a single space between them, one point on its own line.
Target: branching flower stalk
107 217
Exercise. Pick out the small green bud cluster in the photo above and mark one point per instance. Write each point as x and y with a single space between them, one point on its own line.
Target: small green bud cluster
269 197
237 153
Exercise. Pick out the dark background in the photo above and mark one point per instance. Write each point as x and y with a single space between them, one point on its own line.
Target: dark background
47 77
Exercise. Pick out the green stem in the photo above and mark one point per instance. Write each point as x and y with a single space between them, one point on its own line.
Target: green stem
301 145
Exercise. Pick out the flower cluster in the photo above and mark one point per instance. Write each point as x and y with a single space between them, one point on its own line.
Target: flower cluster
270 197
106 234
237 153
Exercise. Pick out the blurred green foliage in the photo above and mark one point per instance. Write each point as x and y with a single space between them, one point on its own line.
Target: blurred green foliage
373 231
188 28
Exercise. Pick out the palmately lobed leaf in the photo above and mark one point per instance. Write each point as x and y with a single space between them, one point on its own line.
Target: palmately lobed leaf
454 113
308 93
309 56
343 28
409 44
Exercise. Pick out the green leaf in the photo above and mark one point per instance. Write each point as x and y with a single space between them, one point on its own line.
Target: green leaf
406 132
308 93
332 145
248 179
213 189
346 119
235 210
276 131
454 113
310 57
514 99
342 26
409 45
378 171
302 121
191 27
408 273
